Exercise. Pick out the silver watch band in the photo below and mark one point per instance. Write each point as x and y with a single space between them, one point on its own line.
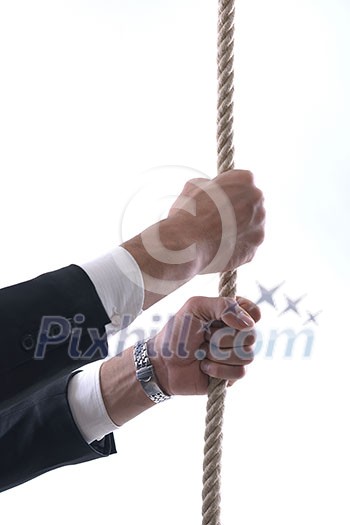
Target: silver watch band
145 373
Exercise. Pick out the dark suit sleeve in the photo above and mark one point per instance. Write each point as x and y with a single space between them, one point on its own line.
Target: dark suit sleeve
38 434
66 295
37 430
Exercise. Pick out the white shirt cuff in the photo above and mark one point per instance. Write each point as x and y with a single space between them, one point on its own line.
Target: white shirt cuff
86 403
119 284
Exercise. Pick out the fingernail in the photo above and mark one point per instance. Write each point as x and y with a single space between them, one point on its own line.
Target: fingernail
244 318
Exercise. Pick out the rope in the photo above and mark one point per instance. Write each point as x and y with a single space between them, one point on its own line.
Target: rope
227 287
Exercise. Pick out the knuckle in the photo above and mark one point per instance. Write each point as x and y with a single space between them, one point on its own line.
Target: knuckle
193 182
258 195
257 314
245 355
239 372
261 214
187 187
247 176
260 236
247 361
250 338
193 303
249 350
257 237
244 177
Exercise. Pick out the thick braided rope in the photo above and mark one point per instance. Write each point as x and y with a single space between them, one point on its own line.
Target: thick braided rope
227 287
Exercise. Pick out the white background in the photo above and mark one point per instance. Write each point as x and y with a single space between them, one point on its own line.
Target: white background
95 93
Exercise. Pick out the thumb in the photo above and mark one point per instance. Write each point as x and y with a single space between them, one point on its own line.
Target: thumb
226 309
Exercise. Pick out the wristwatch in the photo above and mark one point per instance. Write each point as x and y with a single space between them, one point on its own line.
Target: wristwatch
145 373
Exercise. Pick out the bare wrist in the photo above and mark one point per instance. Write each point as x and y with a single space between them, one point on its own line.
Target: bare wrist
166 256
122 393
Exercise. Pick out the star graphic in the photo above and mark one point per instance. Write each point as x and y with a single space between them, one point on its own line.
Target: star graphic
205 327
292 305
266 295
312 317
232 308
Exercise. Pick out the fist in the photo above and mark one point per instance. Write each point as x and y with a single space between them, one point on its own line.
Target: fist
209 336
223 218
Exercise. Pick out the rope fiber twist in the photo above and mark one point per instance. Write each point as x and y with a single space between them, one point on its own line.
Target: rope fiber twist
227 286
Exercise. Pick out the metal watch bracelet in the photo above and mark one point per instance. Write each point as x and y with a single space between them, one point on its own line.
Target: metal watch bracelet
145 373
